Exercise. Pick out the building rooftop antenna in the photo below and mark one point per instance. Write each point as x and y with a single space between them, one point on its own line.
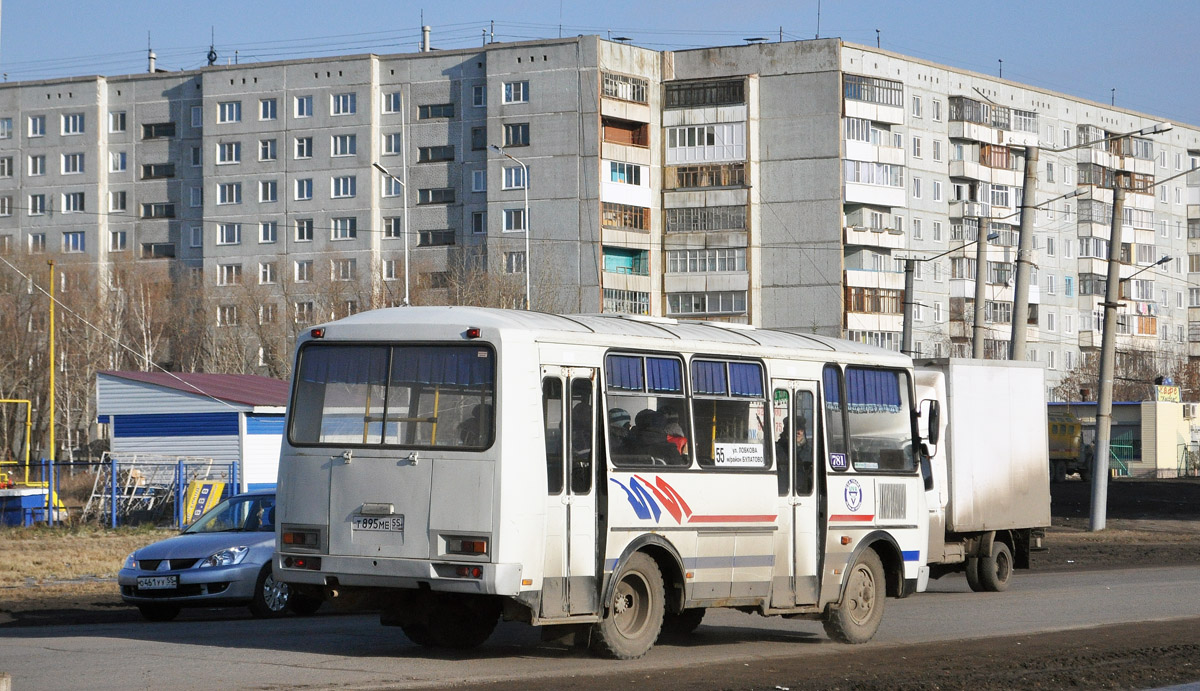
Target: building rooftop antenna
212 47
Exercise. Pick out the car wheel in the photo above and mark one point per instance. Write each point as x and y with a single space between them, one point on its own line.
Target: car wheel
270 596
159 612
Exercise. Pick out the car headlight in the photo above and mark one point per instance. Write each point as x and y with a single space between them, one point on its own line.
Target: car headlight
130 562
226 557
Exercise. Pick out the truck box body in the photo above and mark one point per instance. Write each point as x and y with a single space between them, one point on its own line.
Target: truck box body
991 466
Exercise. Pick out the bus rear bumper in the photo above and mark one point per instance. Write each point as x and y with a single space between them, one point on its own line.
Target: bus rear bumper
374 572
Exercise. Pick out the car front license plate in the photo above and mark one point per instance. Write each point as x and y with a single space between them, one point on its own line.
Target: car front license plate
157 582
390 524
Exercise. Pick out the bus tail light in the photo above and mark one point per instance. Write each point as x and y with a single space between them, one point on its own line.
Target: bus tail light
468 572
467 545
309 539
473 332
309 563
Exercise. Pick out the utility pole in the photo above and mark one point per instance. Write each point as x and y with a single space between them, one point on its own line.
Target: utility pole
1020 312
1108 347
906 332
51 401
980 288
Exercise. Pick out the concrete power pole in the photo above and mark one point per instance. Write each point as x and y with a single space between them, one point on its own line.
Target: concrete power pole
1108 347
980 287
1020 312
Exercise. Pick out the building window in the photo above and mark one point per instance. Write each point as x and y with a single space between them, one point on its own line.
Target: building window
719 142
37 243
704 260
479 222
158 210
514 178
437 110
625 88
6 206
345 228
153 171
715 302
37 204
479 181
393 143
268 191
117 162
916 147
916 190
937 111
37 165
72 202
304 230
516 92
229 234
304 106
343 187
937 191
267 109
478 138
158 130
393 227
229 152
116 200
304 147
344 144
268 232
345 104
72 123
431 238
197 233
116 241
303 270
393 102
436 195
304 189
916 106
74 242
229 193
266 150
304 312
392 187
873 90
431 154
514 262
343 269
389 269
267 314
479 95
516 134
197 116
196 197
514 220
229 274
37 125
937 149
197 157
229 111
704 94
628 173
613 215
227 315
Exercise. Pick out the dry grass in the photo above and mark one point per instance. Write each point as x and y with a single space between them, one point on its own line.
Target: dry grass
40 555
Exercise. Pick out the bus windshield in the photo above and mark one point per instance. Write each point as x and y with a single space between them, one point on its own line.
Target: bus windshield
423 395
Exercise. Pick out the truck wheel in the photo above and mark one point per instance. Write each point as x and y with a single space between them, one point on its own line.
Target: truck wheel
995 571
1058 471
856 618
635 616
972 571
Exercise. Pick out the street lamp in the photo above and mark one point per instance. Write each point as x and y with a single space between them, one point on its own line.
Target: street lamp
404 189
1025 239
1108 348
910 264
525 216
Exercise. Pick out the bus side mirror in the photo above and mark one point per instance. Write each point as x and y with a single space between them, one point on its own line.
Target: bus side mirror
932 412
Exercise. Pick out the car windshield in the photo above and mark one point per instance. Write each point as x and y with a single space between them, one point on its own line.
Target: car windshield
245 513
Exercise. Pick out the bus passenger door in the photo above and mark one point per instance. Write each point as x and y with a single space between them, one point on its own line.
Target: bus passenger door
797 431
569 570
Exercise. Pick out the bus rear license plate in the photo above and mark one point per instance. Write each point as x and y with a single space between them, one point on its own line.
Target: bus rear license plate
157 582
390 524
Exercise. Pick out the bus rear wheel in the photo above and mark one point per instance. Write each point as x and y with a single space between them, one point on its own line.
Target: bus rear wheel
856 618
462 621
635 615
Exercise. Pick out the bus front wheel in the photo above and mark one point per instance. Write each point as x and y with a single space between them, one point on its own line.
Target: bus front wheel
635 615
856 618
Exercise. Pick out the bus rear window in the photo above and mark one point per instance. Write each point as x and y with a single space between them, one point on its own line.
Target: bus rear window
424 396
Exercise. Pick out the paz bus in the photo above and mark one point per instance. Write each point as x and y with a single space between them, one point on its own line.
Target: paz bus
613 475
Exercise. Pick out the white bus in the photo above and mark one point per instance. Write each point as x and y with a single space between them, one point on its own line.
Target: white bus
613 474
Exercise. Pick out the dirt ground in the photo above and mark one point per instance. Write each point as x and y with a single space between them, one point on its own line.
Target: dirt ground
1148 521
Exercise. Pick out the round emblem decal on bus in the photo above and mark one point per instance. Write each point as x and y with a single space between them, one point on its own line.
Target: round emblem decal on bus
854 495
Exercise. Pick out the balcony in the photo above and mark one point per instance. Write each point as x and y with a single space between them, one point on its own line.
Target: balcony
705 175
966 209
888 238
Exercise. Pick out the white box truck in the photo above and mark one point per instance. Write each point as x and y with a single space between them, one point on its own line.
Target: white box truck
987 477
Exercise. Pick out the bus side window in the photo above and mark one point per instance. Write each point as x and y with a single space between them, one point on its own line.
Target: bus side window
552 418
582 436
781 433
804 419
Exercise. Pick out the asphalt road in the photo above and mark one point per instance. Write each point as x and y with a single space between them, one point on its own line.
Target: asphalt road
226 649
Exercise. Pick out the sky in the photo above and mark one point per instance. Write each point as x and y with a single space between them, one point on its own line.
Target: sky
1146 51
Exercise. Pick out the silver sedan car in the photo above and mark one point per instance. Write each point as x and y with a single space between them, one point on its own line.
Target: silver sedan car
224 558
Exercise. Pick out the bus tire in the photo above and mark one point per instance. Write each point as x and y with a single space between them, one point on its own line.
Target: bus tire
684 623
856 618
972 571
463 621
635 615
995 570
304 605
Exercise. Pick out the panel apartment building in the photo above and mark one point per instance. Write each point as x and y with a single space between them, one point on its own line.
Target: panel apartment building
775 184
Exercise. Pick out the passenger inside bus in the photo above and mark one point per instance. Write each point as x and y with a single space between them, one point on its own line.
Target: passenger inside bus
474 431
618 425
647 442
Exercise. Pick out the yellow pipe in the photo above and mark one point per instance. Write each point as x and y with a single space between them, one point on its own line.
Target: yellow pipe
28 427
